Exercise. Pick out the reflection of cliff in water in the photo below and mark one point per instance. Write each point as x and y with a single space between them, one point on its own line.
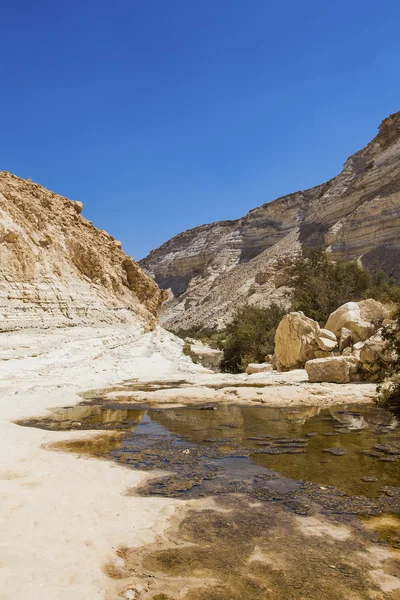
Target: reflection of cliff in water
234 422
371 417
88 417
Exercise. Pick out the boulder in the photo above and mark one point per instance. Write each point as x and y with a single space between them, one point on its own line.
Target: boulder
345 339
373 356
258 368
326 344
209 357
325 333
335 369
295 341
358 317
347 351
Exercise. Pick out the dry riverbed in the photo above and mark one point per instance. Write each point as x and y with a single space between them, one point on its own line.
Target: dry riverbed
73 526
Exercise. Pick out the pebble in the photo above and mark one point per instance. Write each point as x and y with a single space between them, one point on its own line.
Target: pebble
336 451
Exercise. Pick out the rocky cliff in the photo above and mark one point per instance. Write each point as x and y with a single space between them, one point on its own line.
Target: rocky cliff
57 269
211 269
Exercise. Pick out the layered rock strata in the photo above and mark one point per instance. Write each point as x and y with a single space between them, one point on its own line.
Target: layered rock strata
211 269
57 269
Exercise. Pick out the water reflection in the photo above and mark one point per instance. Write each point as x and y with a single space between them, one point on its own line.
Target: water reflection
363 443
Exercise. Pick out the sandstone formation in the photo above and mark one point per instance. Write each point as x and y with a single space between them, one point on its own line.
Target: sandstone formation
299 339
57 269
211 269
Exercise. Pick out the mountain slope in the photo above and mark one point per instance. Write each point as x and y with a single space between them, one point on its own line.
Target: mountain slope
57 269
211 269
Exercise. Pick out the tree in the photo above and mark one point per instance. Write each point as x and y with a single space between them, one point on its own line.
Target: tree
321 285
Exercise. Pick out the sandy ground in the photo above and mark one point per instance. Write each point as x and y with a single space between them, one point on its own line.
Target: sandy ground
62 516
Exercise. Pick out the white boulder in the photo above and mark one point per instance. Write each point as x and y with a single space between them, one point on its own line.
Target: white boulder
358 317
335 369
258 368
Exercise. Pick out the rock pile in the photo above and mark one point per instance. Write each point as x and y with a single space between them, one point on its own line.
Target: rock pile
349 348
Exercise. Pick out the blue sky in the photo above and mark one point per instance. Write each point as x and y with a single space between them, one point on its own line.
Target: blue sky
160 115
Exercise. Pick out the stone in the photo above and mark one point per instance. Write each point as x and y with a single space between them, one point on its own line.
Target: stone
335 369
326 344
11 237
213 269
337 451
208 357
357 317
258 368
345 339
325 333
78 206
358 346
373 355
295 341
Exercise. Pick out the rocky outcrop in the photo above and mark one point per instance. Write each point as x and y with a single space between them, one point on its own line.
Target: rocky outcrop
299 339
212 269
57 269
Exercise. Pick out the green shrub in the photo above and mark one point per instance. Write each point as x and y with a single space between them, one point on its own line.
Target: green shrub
389 392
250 336
321 285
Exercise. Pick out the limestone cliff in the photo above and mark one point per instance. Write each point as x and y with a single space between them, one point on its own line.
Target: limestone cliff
57 269
211 269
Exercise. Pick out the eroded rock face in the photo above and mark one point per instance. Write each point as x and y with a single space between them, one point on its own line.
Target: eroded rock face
212 269
299 339
57 269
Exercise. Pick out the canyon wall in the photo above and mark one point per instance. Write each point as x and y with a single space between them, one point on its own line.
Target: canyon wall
57 269
210 270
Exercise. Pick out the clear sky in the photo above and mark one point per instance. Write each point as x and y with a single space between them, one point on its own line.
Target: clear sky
160 115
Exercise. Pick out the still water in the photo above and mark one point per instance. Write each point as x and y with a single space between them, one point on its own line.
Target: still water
354 449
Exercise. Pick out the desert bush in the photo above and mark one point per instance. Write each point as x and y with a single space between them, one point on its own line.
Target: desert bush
250 336
389 392
321 285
